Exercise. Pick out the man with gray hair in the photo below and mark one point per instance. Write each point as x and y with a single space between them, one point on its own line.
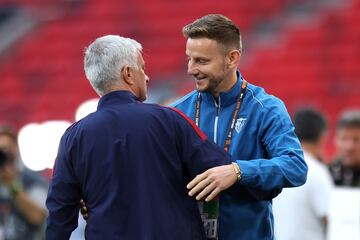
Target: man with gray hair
129 161
345 170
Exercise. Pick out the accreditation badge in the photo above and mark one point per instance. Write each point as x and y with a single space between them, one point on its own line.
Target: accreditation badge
210 216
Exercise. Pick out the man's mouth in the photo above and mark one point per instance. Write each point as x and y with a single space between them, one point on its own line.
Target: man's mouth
199 78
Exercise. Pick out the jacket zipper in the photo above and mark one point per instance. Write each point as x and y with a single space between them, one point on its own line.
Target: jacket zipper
216 119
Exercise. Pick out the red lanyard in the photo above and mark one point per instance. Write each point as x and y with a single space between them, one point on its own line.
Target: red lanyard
235 114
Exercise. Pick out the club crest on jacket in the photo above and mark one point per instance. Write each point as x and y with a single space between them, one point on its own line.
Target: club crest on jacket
240 122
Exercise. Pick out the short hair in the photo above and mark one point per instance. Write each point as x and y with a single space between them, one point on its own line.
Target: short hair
309 124
5 158
105 57
216 27
349 118
8 131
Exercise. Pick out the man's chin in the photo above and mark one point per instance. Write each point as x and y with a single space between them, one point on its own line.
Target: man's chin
201 87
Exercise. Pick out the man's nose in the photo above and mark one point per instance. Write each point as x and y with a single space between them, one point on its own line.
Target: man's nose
192 70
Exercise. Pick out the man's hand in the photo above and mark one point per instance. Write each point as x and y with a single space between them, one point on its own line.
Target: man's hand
84 210
211 182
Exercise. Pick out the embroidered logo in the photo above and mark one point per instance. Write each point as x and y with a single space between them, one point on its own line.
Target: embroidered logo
240 122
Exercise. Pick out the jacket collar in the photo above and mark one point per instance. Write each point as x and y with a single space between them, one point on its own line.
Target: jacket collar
226 98
116 97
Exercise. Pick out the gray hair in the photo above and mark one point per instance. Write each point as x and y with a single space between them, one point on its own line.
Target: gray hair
349 118
105 57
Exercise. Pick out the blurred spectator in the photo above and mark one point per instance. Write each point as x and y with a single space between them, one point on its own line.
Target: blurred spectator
22 193
302 212
345 169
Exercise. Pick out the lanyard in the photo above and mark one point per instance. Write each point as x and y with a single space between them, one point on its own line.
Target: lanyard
235 113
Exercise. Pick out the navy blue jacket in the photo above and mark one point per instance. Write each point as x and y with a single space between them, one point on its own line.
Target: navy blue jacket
131 162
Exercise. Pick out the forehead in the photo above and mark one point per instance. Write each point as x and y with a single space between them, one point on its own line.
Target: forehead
140 58
349 131
6 141
202 47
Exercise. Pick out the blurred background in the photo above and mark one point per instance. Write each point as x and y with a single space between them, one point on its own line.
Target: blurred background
306 52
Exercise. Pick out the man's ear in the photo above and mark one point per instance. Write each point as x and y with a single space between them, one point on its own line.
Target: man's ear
127 75
233 59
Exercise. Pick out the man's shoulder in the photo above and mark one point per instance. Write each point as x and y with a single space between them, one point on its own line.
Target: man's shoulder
153 108
70 131
259 95
186 99
264 101
106 116
154 113
76 128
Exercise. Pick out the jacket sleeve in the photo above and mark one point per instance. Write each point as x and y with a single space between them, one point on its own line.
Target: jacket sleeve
196 151
284 165
63 196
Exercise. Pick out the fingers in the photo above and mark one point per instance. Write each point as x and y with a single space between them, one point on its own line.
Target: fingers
210 192
200 186
205 191
205 184
83 210
196 180
82 203
210 183
213 194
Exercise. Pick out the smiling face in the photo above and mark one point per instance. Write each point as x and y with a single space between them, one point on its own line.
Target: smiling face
211 68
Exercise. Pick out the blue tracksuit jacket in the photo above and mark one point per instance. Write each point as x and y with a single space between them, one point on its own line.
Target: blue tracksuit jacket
266 149
131 162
